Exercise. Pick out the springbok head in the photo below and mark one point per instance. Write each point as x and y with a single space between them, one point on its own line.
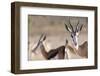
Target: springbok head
42 38
74 32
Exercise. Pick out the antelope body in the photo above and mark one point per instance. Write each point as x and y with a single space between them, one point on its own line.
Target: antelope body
52 53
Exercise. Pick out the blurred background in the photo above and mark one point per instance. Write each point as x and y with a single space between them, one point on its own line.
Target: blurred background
54 28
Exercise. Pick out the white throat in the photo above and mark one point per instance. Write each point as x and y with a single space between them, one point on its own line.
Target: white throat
76 46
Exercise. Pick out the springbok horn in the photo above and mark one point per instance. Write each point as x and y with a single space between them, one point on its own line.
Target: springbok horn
77 26
37 44
81 27
71 25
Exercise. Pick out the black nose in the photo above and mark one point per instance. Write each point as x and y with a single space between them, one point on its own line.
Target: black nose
75 44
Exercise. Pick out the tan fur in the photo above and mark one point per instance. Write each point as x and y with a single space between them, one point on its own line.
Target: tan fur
74 53
82 50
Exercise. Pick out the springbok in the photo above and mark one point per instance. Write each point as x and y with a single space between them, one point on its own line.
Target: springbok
80 50
60 51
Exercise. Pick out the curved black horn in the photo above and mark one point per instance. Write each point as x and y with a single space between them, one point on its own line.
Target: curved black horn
67 27
77 23
71 25
77 26
81 27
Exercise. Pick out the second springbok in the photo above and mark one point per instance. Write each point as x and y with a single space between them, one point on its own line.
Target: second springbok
79 50
58 53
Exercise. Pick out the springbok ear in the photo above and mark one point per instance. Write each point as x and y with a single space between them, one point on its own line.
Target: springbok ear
34 50
68 29
43 36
